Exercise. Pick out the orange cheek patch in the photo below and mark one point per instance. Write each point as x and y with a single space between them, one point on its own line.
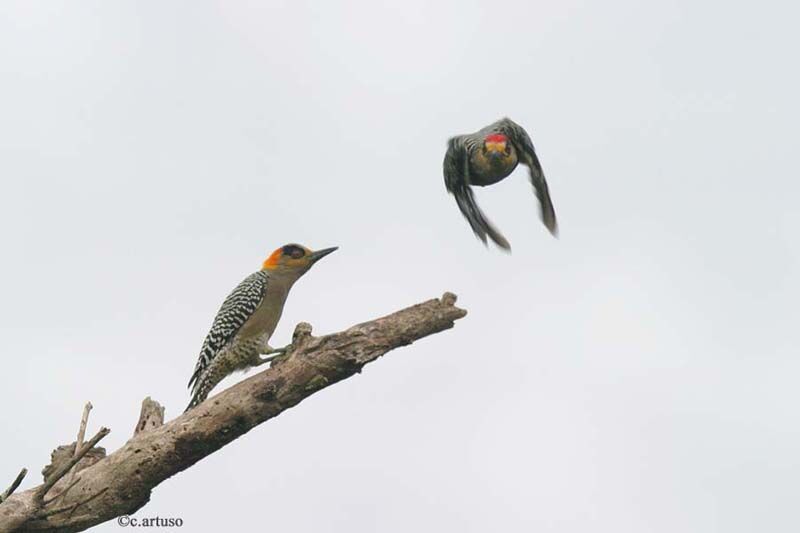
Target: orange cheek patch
272 260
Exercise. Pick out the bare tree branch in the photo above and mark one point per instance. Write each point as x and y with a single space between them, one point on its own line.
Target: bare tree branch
82 428
42 490
22 511
121 483
78 443
14 484
71 508
72 483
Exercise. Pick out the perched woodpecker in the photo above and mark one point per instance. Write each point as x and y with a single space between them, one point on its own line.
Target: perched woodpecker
485 158
241 330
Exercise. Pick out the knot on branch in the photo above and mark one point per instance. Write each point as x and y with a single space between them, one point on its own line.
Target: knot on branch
301 336
63 454
449 299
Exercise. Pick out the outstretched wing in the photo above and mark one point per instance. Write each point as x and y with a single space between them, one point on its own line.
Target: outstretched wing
456 179
236 309
522 142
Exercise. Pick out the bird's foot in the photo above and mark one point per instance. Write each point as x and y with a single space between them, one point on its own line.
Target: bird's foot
274 353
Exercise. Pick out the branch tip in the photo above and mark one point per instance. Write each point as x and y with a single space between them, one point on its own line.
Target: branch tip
302 332
78 443
449 299
14 484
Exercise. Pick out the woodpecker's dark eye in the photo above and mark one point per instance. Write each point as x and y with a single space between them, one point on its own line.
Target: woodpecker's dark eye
293 251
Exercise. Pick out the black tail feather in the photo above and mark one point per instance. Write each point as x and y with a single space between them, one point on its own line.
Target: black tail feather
477 220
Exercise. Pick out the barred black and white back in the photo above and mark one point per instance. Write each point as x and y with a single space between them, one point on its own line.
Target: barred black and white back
237 308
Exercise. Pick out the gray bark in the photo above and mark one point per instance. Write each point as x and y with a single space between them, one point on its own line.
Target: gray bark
120 483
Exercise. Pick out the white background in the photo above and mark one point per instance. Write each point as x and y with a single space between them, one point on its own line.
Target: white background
637 375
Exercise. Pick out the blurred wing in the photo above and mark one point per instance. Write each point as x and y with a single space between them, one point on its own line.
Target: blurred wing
236 309
456 179
519 137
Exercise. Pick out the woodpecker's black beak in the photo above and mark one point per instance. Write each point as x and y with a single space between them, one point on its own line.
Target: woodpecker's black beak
319 254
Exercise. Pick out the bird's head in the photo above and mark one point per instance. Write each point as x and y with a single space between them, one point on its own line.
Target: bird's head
294 258
496 145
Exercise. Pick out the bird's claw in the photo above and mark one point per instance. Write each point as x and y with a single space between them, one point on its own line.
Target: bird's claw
274 354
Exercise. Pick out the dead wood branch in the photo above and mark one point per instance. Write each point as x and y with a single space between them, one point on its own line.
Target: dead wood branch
78 443
16 513
121 483
14 484
42 490
150 417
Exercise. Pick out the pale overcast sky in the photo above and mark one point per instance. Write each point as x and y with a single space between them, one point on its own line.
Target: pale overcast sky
637 375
